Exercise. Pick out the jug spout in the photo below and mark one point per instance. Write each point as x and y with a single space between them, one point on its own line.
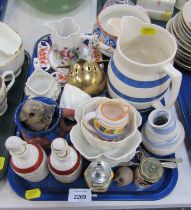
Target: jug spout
64 32
130 27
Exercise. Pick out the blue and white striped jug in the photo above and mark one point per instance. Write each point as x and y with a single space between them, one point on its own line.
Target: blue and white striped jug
144 84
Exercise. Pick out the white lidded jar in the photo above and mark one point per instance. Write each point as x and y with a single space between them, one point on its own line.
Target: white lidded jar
27 160
64 162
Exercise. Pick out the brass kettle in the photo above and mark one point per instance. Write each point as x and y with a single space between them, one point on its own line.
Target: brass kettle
87 76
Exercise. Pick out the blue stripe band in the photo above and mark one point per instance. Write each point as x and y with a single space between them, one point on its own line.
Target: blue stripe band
136 83
132 99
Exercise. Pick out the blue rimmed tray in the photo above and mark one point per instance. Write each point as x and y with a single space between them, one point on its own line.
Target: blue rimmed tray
52 190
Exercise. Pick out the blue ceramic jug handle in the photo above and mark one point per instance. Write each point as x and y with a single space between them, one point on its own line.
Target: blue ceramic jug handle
87 117
176 78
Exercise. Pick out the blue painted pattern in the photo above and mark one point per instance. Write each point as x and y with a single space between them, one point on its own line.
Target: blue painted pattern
132 99
136 83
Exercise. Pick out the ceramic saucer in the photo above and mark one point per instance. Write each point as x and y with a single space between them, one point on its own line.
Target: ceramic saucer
113 158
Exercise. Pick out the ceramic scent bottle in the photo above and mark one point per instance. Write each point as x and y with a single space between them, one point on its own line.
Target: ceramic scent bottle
64 162
27 160
162 134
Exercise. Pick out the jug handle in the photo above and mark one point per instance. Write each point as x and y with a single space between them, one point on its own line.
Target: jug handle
87 117
7 73
176 78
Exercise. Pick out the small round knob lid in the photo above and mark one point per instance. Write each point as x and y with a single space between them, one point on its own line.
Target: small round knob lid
98 172
60 147
15 145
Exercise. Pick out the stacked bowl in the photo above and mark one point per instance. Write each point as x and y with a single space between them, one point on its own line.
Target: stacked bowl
180 27
92 147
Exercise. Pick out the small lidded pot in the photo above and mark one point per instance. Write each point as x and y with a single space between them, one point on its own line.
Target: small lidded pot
149 172
98 176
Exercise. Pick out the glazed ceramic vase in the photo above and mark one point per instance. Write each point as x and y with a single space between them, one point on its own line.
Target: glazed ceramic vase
64 162
27 160
139 76
162 134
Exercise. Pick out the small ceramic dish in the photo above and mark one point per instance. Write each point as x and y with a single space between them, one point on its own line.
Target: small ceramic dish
127 138
40 83
107 31
11 50
113 157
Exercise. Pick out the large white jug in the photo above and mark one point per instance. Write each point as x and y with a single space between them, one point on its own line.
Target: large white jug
143 84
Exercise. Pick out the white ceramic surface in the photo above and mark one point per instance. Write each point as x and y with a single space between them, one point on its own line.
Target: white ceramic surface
24 156
187 13
107 33
10 41
72 97
162 134
117 12
4 89
41 83
133 81
113 157
62 159
180 3
127 139
12 63
168 25
65 33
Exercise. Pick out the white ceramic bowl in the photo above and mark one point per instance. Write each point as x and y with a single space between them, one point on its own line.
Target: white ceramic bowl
128 137
113 157
72 97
